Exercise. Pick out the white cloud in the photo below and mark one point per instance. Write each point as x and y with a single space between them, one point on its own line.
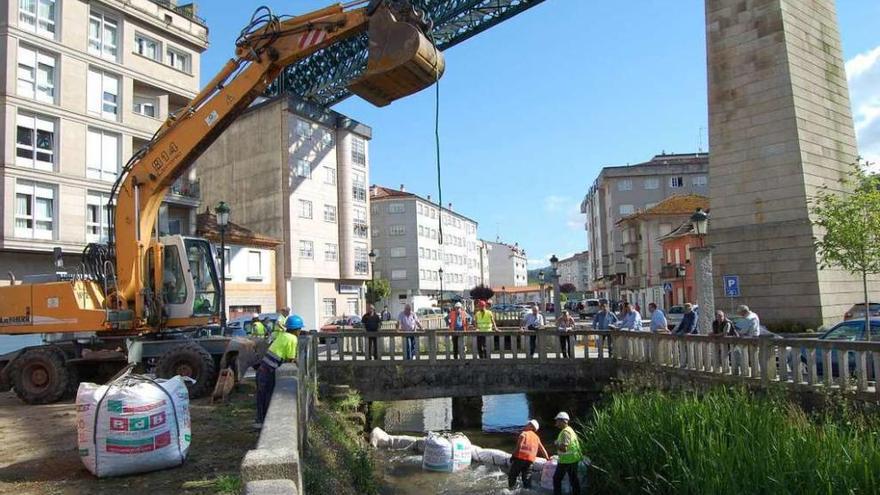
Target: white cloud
863 72
554 203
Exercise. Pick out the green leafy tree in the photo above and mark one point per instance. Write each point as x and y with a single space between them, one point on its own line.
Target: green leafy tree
850 225
482 292
378 290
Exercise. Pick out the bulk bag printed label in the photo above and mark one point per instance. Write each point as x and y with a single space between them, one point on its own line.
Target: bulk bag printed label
133 425
446 453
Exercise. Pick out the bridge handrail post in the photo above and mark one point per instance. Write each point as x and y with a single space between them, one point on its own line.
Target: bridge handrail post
542 345
432 346
764 352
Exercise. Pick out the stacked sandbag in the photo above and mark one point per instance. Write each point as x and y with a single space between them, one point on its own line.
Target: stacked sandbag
446 453
492 457
132 425
381 440
549 469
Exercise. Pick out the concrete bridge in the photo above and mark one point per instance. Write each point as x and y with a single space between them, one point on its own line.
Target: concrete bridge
802 366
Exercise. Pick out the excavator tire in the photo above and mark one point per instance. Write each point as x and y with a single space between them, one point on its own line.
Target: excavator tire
189 359
40 376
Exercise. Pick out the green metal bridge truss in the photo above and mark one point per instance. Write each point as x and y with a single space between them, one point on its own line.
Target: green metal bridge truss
322 78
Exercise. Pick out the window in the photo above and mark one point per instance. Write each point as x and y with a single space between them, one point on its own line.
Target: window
433 233
419 209
677 256
329 307
652 183
255 265
330 213
306 249
396 208
700 180
148 47
178 59
145 106
303 168
329 175
625 185
398 252
37 16
34 210
361 259
303 129
102 155
359 186
331 252
305 209
103 94
421 252
353 305
398 274
35 142
433 213
360 222
97 217
397 230
669 256
676 182
36 75
687 253
326 137
103 35
627 209
359 151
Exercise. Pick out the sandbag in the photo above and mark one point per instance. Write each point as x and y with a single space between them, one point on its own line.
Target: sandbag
549 470
547 473
379 439
446 453
492 457
461 452
134 424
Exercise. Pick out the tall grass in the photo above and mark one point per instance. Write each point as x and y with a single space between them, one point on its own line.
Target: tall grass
727 442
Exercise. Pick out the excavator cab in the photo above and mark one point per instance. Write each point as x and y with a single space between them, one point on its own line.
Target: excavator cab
189 283
401 60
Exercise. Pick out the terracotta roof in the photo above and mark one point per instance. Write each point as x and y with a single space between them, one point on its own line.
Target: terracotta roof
206 226
517 290
379 192
673 205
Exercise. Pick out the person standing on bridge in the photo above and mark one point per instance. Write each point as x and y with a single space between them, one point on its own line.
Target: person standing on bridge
630 318
283 348
533 321
658 319
457 323
569 448
386 315
372 324
409 322
485 322
564 325
528 445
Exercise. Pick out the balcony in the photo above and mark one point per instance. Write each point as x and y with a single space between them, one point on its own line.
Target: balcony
187 10
631 249
670 272
184 192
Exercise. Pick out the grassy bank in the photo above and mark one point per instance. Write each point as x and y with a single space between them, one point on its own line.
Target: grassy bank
338 461
728 442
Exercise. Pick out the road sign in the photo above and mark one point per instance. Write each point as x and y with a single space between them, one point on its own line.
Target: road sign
667 287
731 285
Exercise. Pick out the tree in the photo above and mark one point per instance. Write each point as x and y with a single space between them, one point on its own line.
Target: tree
377 290
850 226
567 288
482 292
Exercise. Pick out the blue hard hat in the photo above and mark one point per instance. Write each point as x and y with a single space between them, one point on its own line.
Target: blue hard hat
294 322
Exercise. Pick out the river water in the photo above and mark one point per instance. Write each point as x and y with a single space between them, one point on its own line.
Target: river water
491 421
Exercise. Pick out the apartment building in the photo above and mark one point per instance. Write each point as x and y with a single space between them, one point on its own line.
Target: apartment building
620 191
86 83
508 265
573 270
642 233
407 243
298 172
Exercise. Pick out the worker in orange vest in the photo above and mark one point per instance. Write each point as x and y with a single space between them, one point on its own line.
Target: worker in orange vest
527 447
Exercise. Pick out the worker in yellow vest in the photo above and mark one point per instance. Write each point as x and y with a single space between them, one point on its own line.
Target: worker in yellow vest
485 322
257 327
283 348
279 326
569 448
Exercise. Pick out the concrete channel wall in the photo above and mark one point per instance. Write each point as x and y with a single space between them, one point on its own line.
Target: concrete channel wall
274 467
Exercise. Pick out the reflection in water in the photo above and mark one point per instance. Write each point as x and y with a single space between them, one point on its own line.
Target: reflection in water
491 421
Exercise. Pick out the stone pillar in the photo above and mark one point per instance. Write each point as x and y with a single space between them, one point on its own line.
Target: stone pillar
780 128
702 266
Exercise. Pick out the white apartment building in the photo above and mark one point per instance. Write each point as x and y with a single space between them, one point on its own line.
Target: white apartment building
86 84
409 253
298 173
573 270
508 265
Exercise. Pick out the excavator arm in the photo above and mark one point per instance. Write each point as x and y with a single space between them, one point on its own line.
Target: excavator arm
401 62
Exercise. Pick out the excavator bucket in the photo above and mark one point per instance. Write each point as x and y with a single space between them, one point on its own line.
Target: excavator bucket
402 61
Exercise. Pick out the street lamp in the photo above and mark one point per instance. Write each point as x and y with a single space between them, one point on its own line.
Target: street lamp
441 286
222 211
541 285
503 295
372 256
554 264
700 221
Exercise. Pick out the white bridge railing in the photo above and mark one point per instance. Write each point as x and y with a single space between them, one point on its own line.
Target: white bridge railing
839 365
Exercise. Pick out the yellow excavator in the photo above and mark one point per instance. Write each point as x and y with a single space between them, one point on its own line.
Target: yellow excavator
146 299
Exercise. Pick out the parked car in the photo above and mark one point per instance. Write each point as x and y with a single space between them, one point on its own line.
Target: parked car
590 308
858 311
846 331
245 324
338 323
432 311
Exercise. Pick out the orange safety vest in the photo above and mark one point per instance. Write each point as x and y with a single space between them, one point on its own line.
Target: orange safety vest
527 446
453 315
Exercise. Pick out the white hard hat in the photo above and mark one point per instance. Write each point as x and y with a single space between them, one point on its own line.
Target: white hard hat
534 423
255 316
563 416
458 305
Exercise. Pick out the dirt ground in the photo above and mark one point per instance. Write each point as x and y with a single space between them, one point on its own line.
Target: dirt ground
38 452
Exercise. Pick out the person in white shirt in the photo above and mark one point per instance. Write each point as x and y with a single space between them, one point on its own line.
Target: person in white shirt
752 324
533 321
658 319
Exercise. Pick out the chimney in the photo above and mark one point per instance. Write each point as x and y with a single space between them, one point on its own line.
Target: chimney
402 188
429 198
450 207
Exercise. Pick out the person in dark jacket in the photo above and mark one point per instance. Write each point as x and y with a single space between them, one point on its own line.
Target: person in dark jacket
688 321
722 327
372 323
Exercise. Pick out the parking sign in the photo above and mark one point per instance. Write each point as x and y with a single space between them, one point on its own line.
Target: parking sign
731 285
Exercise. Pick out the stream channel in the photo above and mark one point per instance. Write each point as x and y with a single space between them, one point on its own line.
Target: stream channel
491 421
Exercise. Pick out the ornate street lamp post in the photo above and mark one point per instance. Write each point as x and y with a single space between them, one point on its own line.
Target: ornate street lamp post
554 264
541 285
222 212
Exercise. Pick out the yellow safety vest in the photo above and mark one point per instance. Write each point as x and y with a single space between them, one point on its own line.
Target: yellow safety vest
484 321
568 438
259 329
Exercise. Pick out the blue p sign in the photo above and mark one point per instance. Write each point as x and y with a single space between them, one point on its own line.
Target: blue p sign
731 285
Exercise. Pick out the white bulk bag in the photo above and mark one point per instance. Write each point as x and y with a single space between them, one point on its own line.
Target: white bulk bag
547 473
461 452
132 425
379 439
492 457
438 453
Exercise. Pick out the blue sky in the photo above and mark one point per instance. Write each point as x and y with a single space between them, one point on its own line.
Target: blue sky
532 109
